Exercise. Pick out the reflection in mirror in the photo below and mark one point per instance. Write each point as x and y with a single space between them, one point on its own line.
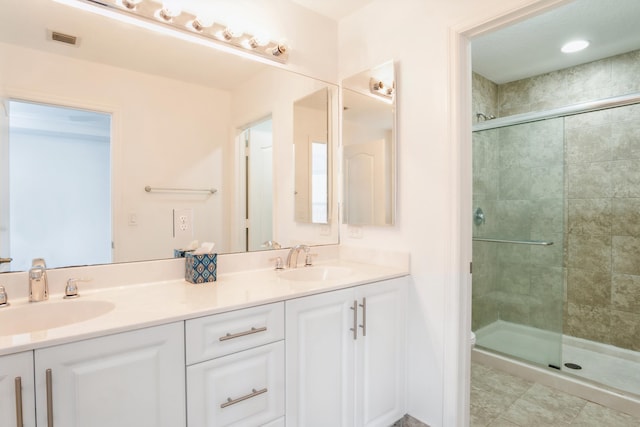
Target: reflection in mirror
311 148
177 114
369 146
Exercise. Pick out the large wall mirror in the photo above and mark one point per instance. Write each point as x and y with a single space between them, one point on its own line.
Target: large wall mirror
369 146
131 144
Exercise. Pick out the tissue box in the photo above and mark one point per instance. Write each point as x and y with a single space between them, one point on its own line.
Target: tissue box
180 253
200 268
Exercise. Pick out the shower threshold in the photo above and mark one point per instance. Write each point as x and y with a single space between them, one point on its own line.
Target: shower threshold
610 366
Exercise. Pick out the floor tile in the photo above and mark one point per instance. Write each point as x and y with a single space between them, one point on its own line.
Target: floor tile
594 415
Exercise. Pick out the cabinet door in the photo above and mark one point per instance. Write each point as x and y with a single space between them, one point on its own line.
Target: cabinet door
319 351
132 379
380 353
16 383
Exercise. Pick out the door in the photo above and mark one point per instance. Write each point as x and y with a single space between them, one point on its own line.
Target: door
259 185
16 390
380 359
518 242
59 164
5 252
133 379
365 191
319 353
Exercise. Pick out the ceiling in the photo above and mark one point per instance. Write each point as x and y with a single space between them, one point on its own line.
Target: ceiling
532 47
334 9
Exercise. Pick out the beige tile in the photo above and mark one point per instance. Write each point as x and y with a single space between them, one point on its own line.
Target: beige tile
626 255
513 219
485 184
625 178
594 415
514 307
625 330
514 183
551 256
589 216
547 182
513 253
547 216
589 143
489 405
625 293
544 404
625 217
585 287
589 252
502 422
625 140
588 322
492 380
589 180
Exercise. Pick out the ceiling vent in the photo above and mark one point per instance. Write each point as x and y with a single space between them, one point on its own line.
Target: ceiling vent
63 38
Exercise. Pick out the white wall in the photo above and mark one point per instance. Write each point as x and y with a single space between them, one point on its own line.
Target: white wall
246 108
417 34
165 133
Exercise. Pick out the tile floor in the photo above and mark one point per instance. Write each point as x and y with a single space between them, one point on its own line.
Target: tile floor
502 400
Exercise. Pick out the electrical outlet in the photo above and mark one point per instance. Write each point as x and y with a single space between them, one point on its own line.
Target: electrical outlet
183 223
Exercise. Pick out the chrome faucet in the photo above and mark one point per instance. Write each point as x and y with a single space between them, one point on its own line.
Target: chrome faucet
292 257
38 286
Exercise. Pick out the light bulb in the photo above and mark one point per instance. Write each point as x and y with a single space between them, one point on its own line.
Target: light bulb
129 4
259 40
170 9
202 21
574 46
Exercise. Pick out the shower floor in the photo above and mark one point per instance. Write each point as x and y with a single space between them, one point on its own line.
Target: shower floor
605 364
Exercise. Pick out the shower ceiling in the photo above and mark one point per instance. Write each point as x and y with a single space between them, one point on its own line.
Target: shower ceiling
532 47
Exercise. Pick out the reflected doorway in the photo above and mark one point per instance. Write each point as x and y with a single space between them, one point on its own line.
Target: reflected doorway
58 170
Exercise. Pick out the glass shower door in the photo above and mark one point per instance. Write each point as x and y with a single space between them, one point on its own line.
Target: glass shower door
518 224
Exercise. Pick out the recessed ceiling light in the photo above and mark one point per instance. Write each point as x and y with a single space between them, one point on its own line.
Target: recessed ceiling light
574 46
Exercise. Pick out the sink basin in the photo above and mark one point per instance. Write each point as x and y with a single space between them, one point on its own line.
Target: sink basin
39 316
309 274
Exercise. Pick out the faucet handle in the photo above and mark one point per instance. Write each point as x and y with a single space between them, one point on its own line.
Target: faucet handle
71 290
4 301
279 265
308 259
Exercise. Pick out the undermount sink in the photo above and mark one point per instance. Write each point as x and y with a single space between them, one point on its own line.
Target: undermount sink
309 274
39 316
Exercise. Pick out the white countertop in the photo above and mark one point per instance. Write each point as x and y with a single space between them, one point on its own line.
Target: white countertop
150 304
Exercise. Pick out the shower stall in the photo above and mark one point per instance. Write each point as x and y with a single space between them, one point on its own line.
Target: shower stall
556 240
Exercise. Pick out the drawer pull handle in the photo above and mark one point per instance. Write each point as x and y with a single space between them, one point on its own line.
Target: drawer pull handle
242 334
18 386
364 317
354 307
49 398
253 393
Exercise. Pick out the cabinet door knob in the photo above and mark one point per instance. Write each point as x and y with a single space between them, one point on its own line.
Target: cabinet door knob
18 385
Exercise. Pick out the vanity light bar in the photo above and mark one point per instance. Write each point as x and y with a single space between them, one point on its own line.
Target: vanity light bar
184 25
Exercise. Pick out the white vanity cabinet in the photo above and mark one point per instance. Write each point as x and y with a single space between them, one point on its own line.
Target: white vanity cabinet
131 379
17 406
345 354
236 368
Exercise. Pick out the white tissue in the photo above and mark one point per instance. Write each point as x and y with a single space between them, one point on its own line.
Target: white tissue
192 246
205 248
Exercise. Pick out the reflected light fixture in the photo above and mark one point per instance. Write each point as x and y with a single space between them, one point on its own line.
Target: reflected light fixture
196 28
382 89
574 46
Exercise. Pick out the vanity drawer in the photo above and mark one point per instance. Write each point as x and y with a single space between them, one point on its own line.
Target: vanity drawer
221 334
241 389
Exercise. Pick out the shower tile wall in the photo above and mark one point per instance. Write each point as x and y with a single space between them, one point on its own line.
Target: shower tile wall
601 212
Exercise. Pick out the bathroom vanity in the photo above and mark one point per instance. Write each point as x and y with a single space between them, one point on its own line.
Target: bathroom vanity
319 346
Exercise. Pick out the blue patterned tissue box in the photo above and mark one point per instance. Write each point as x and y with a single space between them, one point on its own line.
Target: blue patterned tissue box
200 268
180 253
